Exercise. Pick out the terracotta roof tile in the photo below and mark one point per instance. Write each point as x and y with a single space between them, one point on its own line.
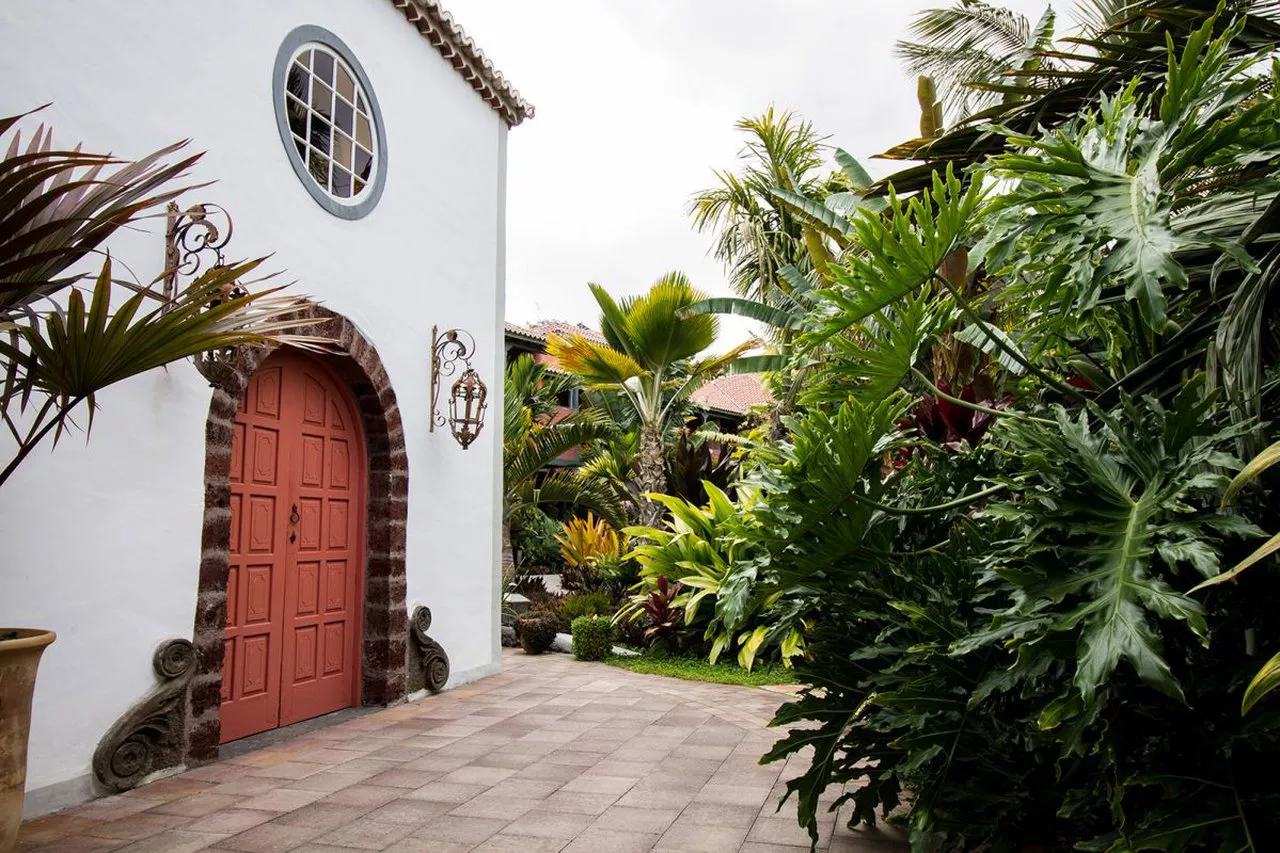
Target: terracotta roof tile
439 28
738 394
543 329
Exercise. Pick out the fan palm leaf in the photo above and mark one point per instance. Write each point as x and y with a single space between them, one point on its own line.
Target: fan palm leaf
68 356
57 206
652 340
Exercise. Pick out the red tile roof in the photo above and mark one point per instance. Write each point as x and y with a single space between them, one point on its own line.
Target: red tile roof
737 394
543 329
439 28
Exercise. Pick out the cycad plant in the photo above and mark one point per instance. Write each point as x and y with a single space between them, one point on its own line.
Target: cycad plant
533 439
649 359
66 334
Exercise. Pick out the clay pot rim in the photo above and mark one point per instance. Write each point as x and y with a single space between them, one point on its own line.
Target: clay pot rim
28 638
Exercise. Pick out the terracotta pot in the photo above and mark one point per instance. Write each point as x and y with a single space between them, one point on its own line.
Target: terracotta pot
19 658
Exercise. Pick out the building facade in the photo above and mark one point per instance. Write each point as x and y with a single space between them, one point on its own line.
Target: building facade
268 531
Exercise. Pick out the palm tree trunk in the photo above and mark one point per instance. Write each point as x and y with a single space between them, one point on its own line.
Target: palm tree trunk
651 472
508 557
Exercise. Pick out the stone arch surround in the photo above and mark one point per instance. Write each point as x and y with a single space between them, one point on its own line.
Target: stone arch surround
382 672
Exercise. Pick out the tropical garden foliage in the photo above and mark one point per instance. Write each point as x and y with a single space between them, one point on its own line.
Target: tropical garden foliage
1008 631
648 361
1001 524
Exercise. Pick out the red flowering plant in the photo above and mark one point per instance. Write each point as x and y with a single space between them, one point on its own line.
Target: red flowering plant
664 614
948 423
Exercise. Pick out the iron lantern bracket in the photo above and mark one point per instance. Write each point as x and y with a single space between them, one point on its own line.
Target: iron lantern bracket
450 350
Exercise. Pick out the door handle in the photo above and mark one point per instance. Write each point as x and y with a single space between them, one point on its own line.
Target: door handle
293 515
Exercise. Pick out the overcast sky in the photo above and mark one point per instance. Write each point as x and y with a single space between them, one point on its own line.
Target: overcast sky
636 103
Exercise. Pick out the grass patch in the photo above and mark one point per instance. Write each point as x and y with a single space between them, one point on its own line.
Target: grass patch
697 669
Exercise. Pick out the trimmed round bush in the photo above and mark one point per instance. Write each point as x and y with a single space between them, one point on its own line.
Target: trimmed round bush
592 638
536 632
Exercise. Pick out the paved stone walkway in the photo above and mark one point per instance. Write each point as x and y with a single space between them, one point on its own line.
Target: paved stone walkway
551 756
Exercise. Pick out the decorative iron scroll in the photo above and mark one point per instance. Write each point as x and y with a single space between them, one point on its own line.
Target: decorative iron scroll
432 659
149 736
448 350
192 239
193 242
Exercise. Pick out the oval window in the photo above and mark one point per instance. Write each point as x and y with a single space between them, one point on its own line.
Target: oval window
329 122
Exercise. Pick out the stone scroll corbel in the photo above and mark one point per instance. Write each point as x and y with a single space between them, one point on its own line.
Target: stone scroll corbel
149 737
432 662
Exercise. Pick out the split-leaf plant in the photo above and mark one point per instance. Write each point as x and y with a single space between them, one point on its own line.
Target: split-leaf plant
1007 639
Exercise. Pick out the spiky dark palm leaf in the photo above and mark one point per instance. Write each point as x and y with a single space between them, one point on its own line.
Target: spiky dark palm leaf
1103 63
58 359
972 44
57 206
58 349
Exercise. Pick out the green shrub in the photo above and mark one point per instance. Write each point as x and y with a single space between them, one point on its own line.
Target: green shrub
587 604
536 631
592 638
533 541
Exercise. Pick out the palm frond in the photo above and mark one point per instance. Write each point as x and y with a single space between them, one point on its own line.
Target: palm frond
971 43
561 487
57 206
593 362
524 455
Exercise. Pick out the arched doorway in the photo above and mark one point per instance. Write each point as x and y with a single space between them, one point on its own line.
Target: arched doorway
357 372
295 583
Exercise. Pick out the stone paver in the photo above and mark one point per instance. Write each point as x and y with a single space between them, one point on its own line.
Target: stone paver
551 756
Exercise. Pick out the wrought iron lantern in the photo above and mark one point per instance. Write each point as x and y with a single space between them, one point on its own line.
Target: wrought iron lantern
468 394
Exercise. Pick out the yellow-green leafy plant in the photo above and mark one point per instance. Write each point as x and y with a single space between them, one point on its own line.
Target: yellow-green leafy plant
710 554
584 541
1268 677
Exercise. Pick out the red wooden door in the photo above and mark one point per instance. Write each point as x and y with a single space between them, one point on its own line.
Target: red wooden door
294 590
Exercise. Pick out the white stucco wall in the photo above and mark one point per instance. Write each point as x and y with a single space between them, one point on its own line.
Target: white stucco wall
102 540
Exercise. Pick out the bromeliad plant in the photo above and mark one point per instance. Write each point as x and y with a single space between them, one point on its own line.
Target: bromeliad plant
592 551
584 541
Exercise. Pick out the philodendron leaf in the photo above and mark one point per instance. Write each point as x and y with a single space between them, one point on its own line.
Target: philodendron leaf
1111 519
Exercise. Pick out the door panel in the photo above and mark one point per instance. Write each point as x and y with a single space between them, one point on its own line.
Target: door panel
293 592
322 613
255 582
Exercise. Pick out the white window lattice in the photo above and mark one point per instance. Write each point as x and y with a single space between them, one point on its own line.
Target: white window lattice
331 124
